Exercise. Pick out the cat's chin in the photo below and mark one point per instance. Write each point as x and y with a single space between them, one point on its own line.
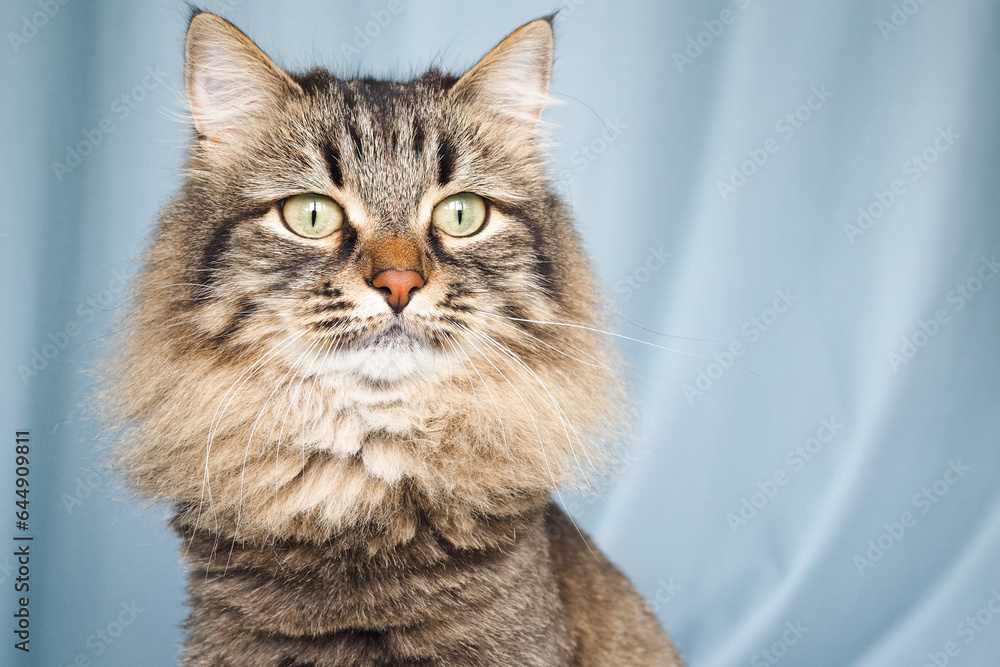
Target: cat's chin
390 356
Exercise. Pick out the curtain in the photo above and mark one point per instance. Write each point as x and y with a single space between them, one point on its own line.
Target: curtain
792 209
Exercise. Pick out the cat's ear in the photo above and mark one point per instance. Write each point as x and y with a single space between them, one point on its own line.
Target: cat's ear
511 82
228 78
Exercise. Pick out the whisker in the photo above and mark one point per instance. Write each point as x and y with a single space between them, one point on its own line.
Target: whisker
555 349
472 388
323 370
555 486
626 371
503 431
595 330
599 303
611 312
534 423
288 407
566 420
246 453
563 418
254 368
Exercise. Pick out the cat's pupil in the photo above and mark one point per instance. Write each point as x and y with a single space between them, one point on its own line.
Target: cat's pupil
313 212
459 214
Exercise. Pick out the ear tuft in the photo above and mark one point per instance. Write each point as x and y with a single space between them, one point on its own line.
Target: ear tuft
511 82
228 78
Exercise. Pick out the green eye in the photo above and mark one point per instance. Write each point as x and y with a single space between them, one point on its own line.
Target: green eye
312 216
460 215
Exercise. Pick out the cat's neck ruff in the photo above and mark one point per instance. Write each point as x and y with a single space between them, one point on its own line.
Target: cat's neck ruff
306 456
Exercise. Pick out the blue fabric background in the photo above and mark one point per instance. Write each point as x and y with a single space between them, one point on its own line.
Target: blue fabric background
827 495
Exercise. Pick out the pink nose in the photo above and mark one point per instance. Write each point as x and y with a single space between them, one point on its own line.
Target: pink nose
397 286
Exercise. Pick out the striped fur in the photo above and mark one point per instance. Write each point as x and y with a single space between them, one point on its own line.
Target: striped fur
354 484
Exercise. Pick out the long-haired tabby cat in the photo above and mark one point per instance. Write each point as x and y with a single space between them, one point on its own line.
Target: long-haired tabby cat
364 352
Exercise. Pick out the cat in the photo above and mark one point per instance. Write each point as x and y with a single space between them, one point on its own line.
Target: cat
365 349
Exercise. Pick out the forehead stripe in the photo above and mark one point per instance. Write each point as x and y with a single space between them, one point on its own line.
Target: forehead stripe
333 164
446 161
356 139
418 138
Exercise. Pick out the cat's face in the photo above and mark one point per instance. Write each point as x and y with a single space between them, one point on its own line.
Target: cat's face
364 290
368 227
